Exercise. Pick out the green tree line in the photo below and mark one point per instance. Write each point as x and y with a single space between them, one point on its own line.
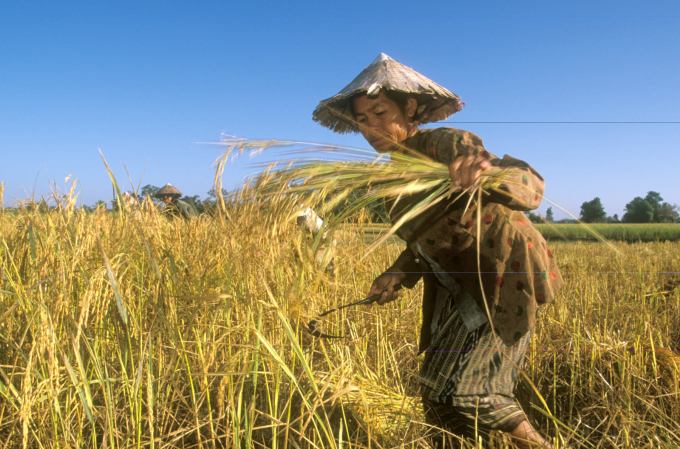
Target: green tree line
650 209
201 206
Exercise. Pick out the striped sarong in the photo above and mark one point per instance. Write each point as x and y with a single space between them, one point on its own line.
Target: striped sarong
464 375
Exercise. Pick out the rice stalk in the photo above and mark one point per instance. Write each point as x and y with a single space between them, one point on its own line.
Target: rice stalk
197 315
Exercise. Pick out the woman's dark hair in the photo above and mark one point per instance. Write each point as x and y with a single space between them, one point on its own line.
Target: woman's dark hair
400 98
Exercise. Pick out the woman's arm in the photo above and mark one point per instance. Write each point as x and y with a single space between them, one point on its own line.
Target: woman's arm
405 271
464 153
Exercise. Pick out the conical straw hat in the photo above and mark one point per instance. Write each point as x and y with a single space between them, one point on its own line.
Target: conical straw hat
435 102
167 190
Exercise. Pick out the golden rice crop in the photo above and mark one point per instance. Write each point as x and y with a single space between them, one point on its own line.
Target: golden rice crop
134 330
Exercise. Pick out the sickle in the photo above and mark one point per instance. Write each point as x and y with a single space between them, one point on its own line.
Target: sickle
312 326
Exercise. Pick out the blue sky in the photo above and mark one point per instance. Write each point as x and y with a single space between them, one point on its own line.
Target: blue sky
148 82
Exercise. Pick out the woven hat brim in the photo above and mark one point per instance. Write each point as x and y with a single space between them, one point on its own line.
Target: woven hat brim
335 113
168 190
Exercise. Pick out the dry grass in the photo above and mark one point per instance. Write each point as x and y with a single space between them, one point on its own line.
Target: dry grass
193 337
131 330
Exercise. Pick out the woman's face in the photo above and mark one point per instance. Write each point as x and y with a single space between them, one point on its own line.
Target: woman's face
382 122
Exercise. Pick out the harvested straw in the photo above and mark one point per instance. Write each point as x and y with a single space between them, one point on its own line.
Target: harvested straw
326 183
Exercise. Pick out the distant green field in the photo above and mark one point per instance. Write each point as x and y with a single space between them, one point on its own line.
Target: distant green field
614 231
620 232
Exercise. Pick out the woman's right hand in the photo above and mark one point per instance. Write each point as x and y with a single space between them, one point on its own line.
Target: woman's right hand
466 170
384 284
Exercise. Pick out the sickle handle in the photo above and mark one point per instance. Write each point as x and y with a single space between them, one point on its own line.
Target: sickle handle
372 299
369 300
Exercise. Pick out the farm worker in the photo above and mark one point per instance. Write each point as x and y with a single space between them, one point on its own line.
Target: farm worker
174 207
130 200
468 373
132 203
308 220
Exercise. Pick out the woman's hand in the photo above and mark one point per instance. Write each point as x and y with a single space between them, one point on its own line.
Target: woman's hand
466 170
384 284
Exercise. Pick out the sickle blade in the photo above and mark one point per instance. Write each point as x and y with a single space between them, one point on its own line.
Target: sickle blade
312 328
313 325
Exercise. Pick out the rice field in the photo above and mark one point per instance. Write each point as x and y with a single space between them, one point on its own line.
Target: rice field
612 231
131 330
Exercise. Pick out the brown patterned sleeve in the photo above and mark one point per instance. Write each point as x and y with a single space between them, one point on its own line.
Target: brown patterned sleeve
444 145
406 263
522 188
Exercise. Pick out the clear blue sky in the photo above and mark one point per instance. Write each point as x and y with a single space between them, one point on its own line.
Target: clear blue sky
149 81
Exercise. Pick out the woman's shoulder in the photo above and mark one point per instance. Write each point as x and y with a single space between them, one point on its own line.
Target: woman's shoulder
445 144
436 132
442 136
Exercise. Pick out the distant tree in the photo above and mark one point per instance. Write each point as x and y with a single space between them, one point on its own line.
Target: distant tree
593 211
99 204
208 204
638 211
667 213
212 196
614 219
195 202
549 215
654 199
150 190
534 218
211 193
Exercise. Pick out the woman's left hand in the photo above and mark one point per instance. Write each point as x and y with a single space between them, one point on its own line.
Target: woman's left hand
466 170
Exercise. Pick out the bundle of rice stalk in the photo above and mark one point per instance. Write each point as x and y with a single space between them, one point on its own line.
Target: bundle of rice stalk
386 412
381 410
347 180
665 363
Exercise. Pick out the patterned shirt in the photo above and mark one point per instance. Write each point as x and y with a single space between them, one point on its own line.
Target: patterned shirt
517 268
